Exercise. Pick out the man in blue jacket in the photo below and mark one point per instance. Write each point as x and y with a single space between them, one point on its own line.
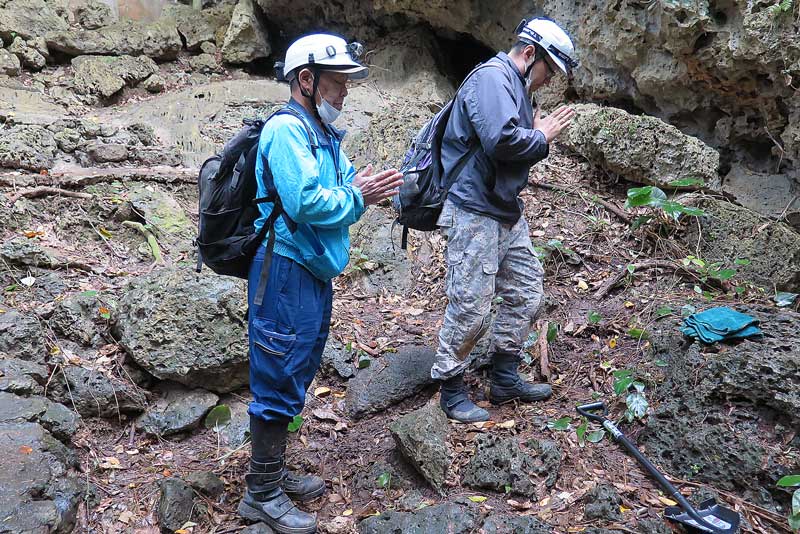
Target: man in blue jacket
494 133
321 192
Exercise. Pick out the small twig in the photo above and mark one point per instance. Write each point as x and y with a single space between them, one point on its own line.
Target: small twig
544 359
44 191
650 264
613 208
151 239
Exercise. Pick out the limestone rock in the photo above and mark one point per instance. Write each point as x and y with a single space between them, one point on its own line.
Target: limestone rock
729 232
518 464
206 483
94 14
68 140
197 29
602 502
29 57
712 422
97 393
450 518
76 318
237 431
24 252
175 504
22 377
158 40
422 438
155 83
28 19
27 147
514 524
102 152
21 337
178 410
38 492
639 148
163 213
205 63
105 75
246 39
187 327
59 420
337 359
9 63
388 380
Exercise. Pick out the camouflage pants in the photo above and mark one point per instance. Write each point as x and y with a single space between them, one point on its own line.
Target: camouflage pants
485 260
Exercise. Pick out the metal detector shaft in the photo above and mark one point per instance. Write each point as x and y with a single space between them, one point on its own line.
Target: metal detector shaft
587 411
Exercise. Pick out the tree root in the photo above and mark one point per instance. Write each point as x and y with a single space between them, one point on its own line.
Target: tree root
45 190
649 264
613 208
151 239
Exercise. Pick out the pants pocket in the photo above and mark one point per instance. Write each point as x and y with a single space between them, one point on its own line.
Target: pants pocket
272 345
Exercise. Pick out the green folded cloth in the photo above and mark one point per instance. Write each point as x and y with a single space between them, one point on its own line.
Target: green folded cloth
717 324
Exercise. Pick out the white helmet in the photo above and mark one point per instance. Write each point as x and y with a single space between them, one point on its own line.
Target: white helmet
325 51
552 38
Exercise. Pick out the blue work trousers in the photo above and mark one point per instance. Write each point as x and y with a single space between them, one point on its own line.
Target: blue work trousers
287 334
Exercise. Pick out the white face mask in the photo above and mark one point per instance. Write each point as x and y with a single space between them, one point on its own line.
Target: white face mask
327 113
529 78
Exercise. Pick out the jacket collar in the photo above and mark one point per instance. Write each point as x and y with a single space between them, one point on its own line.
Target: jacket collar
503 57
323 132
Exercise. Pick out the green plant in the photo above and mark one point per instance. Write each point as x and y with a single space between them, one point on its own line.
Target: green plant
793 481
295 423
556 250
562 425
635 400
784 6
359 262
385 481
652 197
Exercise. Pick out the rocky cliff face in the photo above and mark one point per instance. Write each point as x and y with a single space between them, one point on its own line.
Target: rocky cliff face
727 71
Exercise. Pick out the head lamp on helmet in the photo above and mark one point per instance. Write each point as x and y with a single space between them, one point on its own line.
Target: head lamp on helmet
323 51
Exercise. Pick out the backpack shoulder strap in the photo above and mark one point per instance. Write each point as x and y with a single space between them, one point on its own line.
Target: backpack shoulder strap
312 138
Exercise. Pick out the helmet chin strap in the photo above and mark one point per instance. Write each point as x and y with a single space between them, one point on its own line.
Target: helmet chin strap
312 96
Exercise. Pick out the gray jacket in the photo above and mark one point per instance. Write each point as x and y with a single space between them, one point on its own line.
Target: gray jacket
492 115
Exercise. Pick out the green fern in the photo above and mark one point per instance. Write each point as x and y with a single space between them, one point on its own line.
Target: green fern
784 6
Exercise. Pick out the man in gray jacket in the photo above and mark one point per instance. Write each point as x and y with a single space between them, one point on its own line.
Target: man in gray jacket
496 137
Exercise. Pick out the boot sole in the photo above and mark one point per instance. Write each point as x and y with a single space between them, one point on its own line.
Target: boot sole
248 512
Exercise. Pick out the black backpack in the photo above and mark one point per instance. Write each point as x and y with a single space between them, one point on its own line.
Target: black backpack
227 240
420 199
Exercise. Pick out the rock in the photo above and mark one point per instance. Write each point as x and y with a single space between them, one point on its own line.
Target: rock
158 40
159 156
205 63
338 525
187 327
76 316
178 410
24 252
337 359
209 48
640 148
27 55
94 14
402 476
27 147
767 194
38 492
422 438
155 83
513 524
382 264
143 132
9 63
602 502
106 75
450 518
68 140
102 152
518 464
654 526
206 483
60 421
22 377
246 39
175 504
257 528
165 215
707 422
21 336
729 232
199 30
389 379
97 393
29 19
237 431
40 45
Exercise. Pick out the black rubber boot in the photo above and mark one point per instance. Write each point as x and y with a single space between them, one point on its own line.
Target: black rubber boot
265 499
456 404
507 385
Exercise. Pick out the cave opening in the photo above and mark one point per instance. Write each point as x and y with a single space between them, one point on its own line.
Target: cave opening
458 54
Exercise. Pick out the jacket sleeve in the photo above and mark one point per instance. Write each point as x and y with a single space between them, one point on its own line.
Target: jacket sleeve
296 174
492 110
